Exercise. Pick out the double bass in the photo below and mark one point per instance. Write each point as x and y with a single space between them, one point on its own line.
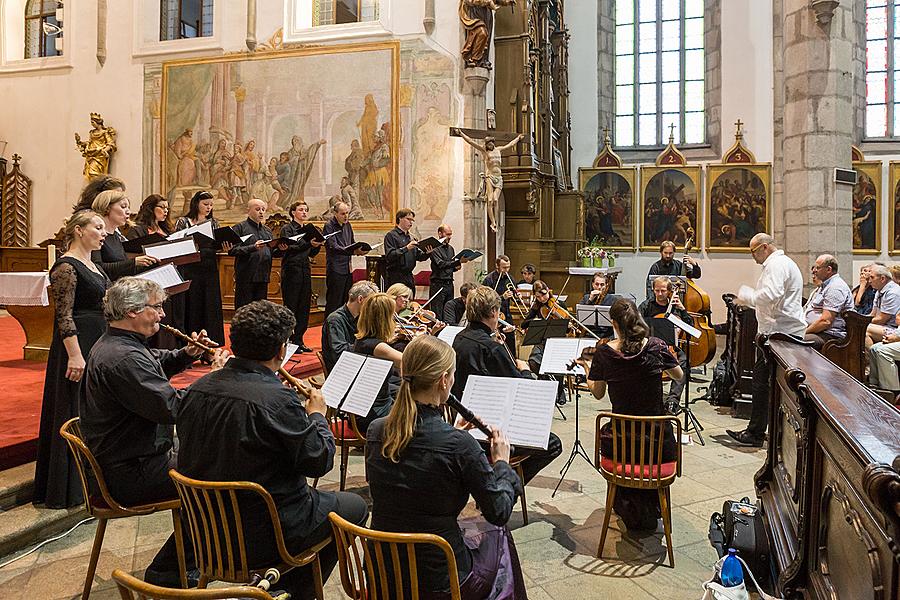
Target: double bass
696 302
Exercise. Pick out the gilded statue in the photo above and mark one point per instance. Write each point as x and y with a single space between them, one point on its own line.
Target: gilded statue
98 148
477 17
492 178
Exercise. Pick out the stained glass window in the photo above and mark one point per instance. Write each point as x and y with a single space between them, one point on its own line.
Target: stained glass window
660 65
40 40
180 19
882 45
336 12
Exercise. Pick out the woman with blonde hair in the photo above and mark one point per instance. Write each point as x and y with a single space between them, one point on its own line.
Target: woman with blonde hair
401 295
77 286
374 336
112 206
422 472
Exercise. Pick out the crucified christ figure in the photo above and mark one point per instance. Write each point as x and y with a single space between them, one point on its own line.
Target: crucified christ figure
492 178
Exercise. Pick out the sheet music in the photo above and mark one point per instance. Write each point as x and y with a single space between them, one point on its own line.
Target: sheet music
531 414
377 245
328 235
559 352
363 376
340 377
289 352
205 228
172 249
690 329
244 238
490 398
449 333
166 276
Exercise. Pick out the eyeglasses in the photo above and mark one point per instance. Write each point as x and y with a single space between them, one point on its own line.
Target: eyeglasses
753 249
157 307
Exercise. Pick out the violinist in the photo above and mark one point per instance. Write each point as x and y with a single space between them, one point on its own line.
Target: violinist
545 306
374 336
401 295
600 296
425 321
654 310
669 265
500 281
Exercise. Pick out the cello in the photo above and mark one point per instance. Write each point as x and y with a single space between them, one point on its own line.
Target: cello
696 302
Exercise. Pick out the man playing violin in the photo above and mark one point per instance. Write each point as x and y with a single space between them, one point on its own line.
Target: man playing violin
669 265
500 281
654 310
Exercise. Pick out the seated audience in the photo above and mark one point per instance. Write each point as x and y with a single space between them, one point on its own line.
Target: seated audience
374 336
883 357
241 423
631 366
455 309
339 330
864 294
886 304
422 471
827 302
128 406
480 352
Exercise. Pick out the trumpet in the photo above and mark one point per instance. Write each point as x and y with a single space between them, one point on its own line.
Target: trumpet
297 384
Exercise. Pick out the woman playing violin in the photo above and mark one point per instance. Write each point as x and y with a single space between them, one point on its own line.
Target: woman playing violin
374 336
631 366
545 306
401 296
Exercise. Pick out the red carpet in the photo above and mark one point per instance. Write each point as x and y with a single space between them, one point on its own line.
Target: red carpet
22 382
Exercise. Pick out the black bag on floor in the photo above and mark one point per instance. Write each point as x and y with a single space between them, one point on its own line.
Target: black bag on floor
740 526
719 393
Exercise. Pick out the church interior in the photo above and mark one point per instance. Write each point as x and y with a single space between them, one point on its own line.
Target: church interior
306 254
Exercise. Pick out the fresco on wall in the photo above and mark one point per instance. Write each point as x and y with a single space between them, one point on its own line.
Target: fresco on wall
284 126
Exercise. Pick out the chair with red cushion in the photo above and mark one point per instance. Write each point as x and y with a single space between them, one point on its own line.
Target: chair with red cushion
422 279
359 275
640 438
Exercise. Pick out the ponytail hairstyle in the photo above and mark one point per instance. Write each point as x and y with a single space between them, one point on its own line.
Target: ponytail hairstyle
425 360
632 328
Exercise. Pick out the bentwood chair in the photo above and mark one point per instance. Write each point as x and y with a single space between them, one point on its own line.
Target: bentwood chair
376 565
103 507
131 587
637 462
347 436
218 535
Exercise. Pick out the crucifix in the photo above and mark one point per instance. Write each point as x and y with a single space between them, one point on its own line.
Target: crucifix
671 132
492 178
739 124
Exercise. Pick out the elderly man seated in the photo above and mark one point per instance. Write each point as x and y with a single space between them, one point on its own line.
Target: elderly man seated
831 298
887 304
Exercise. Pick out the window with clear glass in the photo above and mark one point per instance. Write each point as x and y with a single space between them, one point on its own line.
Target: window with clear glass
41 28
182 19
660 64
882 79
336 12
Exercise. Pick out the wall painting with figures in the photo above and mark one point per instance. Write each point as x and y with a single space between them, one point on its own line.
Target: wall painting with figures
670 199
894 212
867 208
608 187
314 124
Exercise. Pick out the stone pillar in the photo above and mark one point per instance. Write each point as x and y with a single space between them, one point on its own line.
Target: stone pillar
474 117
818 132
240 94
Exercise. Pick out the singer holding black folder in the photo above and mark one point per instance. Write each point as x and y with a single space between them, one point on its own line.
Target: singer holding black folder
401 251
112 205
296 273
422 471
253 257
443 265
338 278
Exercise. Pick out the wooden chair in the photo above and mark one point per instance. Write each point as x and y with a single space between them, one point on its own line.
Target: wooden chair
347 436
367 557
131 587
217 532
850 352
104 507
640 438
321 358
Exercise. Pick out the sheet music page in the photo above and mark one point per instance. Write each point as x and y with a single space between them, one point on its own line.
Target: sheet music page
532 413
367 385
289 351
328 235
690 329
340 377
377 245
172 249
166 276
490 398
205 228
558 353
449 333
244 238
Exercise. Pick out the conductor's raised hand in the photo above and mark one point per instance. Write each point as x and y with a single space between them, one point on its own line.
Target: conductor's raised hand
316 402
499 446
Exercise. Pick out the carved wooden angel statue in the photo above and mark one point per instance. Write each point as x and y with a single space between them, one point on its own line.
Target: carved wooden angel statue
477 18
98 148
492 178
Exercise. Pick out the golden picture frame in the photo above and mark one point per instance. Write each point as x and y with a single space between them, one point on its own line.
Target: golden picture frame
305 119
669 204
866 221
738 205
609 215
894 214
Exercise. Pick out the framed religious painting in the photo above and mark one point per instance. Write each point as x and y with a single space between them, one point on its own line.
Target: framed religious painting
608 188
866 205
894 204
670 200
284 126
739 193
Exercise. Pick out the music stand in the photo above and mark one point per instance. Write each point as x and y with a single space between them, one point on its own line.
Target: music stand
541 329
593 315
690 419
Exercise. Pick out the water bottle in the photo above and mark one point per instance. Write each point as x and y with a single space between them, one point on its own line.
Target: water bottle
732 571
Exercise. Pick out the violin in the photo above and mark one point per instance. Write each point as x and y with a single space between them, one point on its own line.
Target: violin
551 309
587 353
405 329
426 318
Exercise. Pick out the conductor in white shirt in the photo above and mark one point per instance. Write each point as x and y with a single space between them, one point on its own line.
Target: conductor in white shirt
778 300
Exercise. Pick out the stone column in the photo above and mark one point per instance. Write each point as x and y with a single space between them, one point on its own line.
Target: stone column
818 132
240 94
474 117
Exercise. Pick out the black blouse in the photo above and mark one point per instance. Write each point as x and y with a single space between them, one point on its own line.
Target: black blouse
427 489
112 259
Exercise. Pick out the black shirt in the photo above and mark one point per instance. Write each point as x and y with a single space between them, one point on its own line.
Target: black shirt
296 257
673 268
867 301
477 353
252 265
128 406
338 335
454 310
661 327
498 282
398 261
337 259
112 258
427 489
241 424
443 265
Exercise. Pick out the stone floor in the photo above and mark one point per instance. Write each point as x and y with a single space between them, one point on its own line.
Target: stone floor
557 548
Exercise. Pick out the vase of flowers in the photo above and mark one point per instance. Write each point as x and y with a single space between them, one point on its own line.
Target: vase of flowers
611 258
584 254
599 257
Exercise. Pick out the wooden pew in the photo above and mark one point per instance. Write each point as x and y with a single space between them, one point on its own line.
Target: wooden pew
830 487
850 352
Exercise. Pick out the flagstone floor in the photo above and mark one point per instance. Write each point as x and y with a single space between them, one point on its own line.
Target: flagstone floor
557 548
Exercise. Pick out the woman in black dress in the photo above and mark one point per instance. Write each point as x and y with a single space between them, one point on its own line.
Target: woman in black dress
112 205
421 472
152 217
631 367
203 300
77 286
374 337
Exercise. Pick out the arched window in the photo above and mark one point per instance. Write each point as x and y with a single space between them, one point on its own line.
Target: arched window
882 44
660 65
336 12
181 19
40 40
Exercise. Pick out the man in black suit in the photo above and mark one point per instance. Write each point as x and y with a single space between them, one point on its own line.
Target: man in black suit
253 257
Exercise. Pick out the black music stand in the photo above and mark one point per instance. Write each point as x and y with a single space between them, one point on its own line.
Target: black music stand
541 329
577 447
690 419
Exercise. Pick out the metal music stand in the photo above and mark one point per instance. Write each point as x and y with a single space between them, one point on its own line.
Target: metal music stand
690 419
578 448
